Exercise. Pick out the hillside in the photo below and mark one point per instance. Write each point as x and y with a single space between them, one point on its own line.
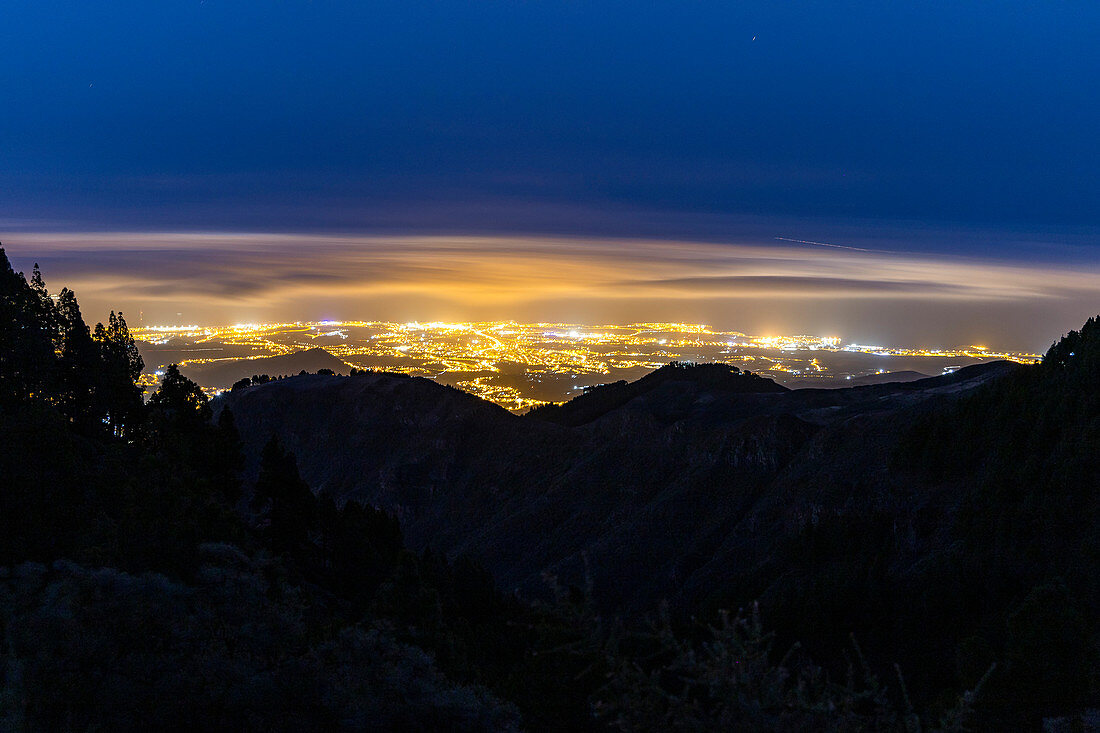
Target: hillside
645 489
225 373
841 383
432 454
949 524
677 385
683 490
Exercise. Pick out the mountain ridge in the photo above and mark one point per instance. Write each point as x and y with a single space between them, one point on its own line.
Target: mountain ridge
525 495
937 519
223 374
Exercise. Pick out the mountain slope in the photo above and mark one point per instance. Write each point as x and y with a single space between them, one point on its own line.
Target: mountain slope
949 522
225 373
655 482
430 453
840 382
678 383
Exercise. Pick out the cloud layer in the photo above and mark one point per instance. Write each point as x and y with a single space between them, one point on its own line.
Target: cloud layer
751 286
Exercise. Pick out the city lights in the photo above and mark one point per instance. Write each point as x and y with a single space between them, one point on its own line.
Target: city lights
522 365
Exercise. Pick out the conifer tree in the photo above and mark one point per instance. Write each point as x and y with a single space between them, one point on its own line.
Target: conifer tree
121 367
226 458
44 307
180 399
78 366
283 499
27 359
178 419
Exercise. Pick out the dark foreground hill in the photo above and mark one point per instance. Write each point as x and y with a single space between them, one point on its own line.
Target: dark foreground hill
950 524
225 373
895 511
644 482
842 383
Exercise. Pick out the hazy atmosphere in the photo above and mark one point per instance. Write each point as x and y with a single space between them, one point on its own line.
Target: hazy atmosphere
503 366
761 287
934 181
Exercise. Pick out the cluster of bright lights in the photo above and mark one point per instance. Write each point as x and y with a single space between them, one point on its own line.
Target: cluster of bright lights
481 357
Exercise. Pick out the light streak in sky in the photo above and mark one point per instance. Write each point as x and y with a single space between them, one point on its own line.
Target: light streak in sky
824 244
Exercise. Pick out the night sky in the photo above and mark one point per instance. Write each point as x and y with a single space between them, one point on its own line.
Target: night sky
584 160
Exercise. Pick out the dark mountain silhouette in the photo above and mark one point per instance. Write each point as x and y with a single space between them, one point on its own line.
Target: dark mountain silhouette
678 385
655 478
176 350
683 489
841 382
885 378
950 524
224 374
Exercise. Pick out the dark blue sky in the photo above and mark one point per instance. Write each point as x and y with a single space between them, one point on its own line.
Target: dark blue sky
594 117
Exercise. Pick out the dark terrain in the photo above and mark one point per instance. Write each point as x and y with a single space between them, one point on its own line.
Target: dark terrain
663 486
927 517
905 375
383 552
224 373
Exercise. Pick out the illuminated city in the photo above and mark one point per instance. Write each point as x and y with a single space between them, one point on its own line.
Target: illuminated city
521 365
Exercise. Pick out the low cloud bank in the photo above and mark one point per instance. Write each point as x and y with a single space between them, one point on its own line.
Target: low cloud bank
220 278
